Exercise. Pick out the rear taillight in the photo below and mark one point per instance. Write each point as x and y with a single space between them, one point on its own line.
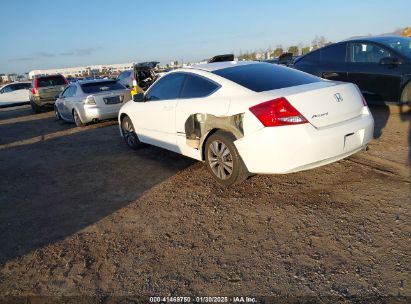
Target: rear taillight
36 86
90 100
364 103
277 112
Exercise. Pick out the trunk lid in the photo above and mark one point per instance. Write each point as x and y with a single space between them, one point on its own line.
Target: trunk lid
328 105
111 98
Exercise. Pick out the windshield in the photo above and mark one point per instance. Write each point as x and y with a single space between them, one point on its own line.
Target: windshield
51 81
401 44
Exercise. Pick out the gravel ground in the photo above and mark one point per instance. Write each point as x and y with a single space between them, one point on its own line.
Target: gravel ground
82 215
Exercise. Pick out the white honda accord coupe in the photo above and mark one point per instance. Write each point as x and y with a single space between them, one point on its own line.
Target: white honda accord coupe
245 118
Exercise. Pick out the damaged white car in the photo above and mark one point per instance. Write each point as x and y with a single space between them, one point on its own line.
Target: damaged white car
245 118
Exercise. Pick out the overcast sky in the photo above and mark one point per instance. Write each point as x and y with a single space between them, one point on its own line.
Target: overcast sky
52 33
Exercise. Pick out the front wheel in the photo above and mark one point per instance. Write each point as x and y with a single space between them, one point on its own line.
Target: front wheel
77 119
57 113
130 136
223 159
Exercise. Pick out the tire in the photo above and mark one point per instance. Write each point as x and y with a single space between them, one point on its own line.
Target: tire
129 135
77 119
223 161
406 95
35 107
57 113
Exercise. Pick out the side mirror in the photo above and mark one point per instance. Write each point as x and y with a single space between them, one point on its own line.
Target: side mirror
139 97
391 61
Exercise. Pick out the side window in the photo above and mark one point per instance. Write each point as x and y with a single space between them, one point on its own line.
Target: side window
15 87
335 53
195 87
363 52
66 92
23 86
7 89
73 91
121 76
124 75
168 87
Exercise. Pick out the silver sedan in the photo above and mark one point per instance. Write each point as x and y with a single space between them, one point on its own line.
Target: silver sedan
90 101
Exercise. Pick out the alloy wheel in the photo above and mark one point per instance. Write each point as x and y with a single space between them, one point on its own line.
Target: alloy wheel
220 160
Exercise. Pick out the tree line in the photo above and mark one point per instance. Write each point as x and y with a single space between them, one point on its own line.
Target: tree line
300 49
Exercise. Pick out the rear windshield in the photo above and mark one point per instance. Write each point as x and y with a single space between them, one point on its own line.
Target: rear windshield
101 86
50 81
262 77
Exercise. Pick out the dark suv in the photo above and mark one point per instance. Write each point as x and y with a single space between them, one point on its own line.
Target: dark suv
380 66
45 90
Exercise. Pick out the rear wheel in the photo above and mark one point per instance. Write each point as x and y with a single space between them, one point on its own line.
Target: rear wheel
223 160
406 94
77 119
35 107
129 134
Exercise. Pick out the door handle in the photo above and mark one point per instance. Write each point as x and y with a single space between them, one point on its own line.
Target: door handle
328 75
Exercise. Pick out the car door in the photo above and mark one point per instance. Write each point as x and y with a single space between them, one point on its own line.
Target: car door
21 92
7 93
63 103
333 63
154 119
377 81
70 100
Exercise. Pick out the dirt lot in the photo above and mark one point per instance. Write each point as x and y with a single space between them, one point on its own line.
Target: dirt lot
81 214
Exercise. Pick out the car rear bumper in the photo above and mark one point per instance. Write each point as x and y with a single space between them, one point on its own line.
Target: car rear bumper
89 113
43 101
278 150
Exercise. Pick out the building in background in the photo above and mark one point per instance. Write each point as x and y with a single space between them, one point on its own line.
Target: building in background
84 71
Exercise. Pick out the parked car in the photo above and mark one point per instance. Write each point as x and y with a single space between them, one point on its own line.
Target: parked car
140 78
45 90
90 101
221 58
126 78
16 92
249 117
380 66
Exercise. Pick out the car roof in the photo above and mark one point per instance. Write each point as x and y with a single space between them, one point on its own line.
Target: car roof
49 75
210 67
15 82
374 38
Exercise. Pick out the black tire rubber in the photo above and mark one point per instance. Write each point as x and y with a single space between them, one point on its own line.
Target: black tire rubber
57 113
35 107
239 170
406 95
129 135
77 119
